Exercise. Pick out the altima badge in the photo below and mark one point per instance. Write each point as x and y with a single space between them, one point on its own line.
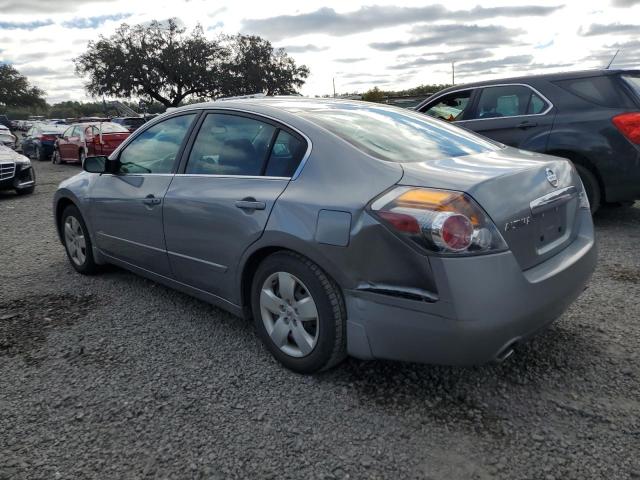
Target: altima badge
515 224
551 176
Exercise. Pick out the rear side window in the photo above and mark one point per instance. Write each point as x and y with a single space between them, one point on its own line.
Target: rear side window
509 101
599 90
230 145
286 154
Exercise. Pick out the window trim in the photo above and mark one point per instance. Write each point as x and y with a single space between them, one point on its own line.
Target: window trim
482 87
275 122
470 103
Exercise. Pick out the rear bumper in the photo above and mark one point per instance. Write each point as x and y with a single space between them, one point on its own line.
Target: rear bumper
486 304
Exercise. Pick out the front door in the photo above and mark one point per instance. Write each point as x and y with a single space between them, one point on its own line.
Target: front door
66 145
515 115
126 206
214 210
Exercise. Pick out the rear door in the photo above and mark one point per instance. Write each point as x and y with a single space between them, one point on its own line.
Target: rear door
220 202
126 207
515 114
63 144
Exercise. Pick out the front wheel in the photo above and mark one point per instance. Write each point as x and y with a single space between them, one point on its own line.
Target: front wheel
55 157
25 191
82 157
77 241
299 313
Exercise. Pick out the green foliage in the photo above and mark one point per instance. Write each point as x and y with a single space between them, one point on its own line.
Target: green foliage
374 95
164 63
16 91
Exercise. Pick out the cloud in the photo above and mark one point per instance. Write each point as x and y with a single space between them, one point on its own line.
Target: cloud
454 34
610 28
93 22
24 25
438 58
350 60
304 48
625 3
627 57
326 20
484 65
31 6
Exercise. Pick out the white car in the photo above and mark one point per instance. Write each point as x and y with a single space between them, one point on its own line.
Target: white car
7 138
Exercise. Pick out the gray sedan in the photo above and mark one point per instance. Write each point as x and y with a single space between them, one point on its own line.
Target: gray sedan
341 228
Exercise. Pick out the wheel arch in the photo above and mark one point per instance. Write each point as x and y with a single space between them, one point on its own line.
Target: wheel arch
61 204
583 160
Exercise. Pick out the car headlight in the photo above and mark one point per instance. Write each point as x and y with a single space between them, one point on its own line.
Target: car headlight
23 161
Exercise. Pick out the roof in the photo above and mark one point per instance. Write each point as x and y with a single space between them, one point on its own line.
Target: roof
544 76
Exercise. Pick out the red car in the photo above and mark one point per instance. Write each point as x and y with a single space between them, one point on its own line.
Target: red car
82 140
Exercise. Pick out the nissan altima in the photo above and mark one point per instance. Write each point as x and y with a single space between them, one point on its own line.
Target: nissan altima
340 227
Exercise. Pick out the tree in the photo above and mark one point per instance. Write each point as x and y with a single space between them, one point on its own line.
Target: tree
373 95
16 91
161 62
254 66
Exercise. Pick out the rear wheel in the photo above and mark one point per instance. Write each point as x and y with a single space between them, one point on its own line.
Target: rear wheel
299 313
82 157
591 186
39 154
55 157
76 241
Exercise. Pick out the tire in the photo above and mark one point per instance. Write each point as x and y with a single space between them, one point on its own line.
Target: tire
25 191
329 334
81 157
591 186
39 154
55 157
81 258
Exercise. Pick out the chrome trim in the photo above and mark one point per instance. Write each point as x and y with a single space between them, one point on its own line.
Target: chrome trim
430 99
132 242
251 177
562 195
7 170
217 266
186 111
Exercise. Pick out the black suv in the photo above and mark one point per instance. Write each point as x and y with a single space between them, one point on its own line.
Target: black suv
590 117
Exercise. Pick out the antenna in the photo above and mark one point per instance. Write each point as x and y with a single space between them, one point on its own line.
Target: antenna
612 59
334 87
453 73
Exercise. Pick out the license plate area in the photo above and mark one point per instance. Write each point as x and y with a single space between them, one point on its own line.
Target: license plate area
551 228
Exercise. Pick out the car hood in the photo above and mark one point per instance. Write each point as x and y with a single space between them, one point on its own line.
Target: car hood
9 155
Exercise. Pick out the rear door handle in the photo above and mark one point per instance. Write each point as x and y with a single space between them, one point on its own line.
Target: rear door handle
524 125
250 204
151 200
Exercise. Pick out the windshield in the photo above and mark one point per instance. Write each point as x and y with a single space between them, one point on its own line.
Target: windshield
634 82
392 134
133 121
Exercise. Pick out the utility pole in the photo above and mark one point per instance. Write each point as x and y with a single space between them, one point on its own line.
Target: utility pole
334 87
453 73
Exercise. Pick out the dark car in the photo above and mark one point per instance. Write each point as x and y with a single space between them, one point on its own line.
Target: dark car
39 140
590 117
131 123
16 172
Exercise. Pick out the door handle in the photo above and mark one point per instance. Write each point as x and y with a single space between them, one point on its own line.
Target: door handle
525 125
151 200
250 204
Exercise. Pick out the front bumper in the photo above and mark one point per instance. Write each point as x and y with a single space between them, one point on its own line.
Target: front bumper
486 305
24 177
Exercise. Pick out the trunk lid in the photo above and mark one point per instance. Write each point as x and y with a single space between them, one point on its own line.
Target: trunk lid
516 189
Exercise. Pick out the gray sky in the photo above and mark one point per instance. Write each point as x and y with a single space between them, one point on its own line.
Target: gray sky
361 44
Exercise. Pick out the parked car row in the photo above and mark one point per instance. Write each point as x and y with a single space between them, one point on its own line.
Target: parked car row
590 117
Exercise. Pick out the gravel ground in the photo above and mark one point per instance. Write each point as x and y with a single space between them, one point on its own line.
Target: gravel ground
114 376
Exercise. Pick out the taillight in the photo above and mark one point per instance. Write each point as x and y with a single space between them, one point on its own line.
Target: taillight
47 138
441 221
629 125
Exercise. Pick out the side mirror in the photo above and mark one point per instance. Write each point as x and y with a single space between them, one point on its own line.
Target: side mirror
96 164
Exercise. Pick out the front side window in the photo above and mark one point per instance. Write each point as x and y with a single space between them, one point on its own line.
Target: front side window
509 101
155 149
450 107
230 145
67 132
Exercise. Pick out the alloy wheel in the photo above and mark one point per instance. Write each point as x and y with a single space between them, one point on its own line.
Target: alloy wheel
75 241
289 314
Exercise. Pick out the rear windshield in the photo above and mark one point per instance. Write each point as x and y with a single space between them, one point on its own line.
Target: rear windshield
393 134
634 82
109 127
133 121
53 128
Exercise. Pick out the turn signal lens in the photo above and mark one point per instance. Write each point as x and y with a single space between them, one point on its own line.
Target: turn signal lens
442 221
